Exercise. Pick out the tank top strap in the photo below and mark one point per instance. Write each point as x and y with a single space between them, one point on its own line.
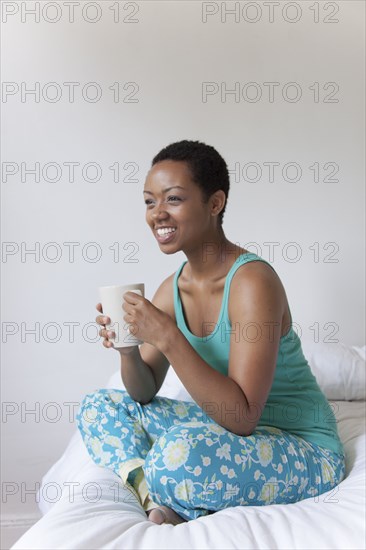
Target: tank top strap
241 260
177 303
177 274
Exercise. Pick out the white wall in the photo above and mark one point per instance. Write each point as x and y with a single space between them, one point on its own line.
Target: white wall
169 52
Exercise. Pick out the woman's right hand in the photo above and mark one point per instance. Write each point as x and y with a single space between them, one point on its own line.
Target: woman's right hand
106 334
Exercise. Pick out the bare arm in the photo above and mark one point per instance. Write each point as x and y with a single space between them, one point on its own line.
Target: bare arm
214 392
144 367
137 376
235 401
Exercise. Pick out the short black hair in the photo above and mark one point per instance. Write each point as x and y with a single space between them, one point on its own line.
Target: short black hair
208 169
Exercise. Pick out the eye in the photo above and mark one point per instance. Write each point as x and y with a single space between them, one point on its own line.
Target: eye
148 201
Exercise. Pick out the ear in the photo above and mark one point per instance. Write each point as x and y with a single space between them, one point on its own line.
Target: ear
218 200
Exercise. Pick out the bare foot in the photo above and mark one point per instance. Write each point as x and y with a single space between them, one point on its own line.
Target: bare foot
163 514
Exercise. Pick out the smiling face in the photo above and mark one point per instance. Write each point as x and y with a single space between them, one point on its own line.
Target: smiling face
174 201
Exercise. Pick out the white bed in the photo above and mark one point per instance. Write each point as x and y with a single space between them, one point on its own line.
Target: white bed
96 511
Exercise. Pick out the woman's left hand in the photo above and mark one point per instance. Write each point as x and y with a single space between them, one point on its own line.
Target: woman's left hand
149 323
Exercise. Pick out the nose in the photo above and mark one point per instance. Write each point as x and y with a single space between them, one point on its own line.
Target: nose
158 212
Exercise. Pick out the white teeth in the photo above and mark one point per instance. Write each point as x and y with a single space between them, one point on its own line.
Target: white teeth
165 230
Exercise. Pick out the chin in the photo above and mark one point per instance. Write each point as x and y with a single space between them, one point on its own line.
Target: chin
169 252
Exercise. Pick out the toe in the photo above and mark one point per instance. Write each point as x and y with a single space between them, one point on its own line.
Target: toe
158 518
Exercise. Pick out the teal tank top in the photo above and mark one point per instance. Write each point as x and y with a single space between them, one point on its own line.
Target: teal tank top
295 402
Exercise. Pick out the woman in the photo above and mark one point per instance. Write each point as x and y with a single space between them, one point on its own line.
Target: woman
260 431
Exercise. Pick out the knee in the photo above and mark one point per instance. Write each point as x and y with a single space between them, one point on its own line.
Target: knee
174 463
97 405
178 452
185 443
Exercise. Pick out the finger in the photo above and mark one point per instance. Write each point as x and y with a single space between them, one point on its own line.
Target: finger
99 307
102 320
107 333
132 297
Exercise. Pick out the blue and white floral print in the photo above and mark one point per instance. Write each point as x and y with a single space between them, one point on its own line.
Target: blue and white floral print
194 465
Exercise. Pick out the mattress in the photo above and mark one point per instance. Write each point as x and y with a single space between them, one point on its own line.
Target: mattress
86 506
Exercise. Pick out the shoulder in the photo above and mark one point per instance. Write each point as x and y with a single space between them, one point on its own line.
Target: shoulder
257 282
255 271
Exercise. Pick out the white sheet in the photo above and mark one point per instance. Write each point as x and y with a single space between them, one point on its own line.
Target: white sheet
335 520
87 506
339 369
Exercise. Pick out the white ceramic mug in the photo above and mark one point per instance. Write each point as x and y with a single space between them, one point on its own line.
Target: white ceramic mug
111 298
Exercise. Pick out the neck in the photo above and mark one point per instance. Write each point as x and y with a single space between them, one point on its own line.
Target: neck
209 260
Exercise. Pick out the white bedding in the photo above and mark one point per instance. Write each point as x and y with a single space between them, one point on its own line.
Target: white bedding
96 511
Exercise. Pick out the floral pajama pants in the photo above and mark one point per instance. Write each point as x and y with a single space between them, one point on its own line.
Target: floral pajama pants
179 457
